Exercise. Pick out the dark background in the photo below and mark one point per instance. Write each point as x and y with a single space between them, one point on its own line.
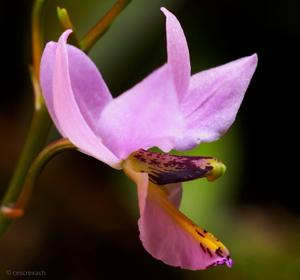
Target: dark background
77 226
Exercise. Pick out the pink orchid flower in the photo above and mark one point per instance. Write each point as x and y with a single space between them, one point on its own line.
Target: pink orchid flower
169 109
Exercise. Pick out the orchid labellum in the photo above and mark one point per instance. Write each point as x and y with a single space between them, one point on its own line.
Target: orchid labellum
169 109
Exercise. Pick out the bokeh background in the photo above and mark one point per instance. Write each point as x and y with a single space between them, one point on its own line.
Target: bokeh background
81 223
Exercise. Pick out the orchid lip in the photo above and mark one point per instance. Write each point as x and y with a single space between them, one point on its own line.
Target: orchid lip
156 201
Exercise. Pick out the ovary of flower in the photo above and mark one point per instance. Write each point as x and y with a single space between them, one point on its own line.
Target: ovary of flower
169 109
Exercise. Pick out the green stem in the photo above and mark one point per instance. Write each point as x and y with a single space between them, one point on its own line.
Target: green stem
102 25
36 39
16 199
36 139
37 166
40 122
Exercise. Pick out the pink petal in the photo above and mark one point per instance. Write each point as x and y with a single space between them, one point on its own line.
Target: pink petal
145 116
70 119
178 53
89 88
46 78
214 97
171 237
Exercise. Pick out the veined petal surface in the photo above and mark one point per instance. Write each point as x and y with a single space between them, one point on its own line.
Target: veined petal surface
214 98
145 116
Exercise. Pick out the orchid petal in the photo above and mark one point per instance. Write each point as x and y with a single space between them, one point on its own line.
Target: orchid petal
69 116
214 97
172 237
147 115
89 88
178 53
46 80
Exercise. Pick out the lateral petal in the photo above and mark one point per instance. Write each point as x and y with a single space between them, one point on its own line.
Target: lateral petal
69 116
89 89
46 80
214 97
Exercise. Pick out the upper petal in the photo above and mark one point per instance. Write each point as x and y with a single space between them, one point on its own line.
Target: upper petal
178 53
147 115
170 236
65 106
214 97
89 89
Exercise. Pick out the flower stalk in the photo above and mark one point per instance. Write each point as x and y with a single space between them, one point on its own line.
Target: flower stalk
102 25
36 39
15 201
36 138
